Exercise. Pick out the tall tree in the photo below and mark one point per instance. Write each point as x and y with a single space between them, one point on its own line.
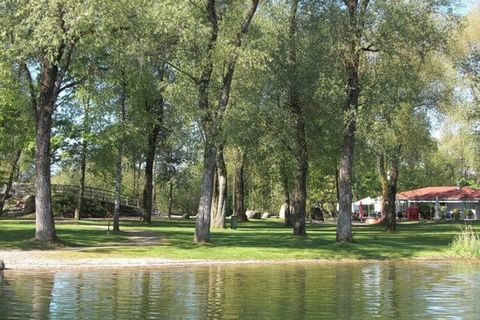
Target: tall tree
121 119
300 191
44 37
83 159
356 12
155 110
212 117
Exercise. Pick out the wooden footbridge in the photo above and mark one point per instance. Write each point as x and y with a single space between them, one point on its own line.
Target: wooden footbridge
96 194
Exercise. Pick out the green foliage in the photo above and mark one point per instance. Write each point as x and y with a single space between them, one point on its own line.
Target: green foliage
426 210
408 83
468 214
457 214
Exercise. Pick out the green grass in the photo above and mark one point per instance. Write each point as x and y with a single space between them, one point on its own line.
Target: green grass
259 240
467 243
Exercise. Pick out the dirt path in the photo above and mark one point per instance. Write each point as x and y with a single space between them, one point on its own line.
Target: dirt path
81 257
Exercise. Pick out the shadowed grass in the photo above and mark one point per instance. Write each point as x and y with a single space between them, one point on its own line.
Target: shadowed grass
263 240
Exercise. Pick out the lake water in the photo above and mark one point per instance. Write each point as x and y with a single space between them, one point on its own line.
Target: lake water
387 290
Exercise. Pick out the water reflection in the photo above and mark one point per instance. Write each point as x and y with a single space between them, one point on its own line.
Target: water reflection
343 291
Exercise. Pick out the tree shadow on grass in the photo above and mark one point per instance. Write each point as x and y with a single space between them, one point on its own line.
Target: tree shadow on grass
371 242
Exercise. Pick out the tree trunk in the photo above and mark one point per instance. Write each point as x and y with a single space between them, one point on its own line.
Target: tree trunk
44 222
389 190
83 165
213 209
11 174
344 220
148 189
202 224
301 157
118 161
352 62
212 121
170 199
118 191
286 193
156 111
43 99
135 179
239 188
218 221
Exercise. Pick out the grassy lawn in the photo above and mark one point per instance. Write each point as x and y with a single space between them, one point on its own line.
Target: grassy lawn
263 240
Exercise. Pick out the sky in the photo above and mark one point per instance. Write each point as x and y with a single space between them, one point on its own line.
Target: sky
466 5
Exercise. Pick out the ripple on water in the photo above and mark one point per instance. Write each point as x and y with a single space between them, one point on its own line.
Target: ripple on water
346 291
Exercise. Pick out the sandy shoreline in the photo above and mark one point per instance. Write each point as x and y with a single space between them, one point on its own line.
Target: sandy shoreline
50 260
53 260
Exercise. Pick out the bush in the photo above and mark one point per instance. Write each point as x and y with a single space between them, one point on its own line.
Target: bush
468 214
457 214
426 210
467 243
63 205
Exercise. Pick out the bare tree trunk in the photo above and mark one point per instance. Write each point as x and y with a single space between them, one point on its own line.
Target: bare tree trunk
218 221
135 179
344 220
83 165
213 209
11 175
44 222
118 161
301 157
286 193
239 187
336 185
118 191
202 224
156 111
148 189
389 181
352 62
170 199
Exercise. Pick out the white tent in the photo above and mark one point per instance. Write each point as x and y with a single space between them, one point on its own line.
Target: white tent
366 202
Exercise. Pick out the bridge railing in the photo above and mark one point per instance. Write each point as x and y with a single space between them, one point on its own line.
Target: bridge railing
23 189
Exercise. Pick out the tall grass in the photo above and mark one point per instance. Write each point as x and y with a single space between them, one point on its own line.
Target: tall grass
467 243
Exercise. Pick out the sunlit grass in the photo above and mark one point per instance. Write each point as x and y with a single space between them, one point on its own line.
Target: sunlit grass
466 243
256 240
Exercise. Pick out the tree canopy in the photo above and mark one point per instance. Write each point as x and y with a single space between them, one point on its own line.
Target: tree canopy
210 108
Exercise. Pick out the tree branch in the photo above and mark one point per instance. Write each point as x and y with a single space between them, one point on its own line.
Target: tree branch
31 88
70 85
228 76
189 75
67 56
370 48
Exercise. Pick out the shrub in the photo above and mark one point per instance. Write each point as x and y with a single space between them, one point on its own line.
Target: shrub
467 243
468 214
457 214
426 210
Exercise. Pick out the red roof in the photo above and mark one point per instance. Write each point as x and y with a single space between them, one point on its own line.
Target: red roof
443 193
